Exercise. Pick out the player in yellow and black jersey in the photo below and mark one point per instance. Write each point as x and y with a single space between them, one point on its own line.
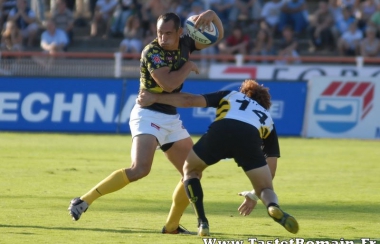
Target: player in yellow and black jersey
164 67
155 57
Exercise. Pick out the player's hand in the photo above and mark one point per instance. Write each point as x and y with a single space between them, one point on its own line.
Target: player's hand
247 206
194 67
145 98
204 19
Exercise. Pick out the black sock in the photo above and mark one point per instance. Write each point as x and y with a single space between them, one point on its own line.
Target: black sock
195 194
273 204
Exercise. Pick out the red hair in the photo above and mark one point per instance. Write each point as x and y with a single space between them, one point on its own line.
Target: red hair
256 92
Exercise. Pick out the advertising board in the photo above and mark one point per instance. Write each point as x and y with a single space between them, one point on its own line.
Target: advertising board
340 107
104 105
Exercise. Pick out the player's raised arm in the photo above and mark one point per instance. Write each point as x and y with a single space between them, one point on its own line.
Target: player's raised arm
179 100
203 20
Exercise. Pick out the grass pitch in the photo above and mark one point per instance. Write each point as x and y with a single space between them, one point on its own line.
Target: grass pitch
332 187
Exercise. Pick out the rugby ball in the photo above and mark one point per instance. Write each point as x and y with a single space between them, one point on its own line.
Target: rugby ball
208 36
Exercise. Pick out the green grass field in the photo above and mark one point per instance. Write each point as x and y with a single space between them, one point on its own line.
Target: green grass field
331 186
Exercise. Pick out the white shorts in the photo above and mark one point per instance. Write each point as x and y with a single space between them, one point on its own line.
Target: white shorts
165 127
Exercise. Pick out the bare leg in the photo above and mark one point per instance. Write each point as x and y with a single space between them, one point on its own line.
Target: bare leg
261 180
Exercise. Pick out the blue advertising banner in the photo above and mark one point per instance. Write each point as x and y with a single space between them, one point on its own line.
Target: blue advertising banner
104 105
60 104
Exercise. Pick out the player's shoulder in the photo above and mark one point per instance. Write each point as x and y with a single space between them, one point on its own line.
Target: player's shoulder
153 48
186 40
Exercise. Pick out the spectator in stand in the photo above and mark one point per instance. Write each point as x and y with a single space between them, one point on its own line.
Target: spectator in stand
349 42
92 7
25 20
366 9
236 43
103 15
223 9
53 40
343 24
38 7
64 19
375 19
124 10
263 43
294 14
320 28
151 10
244 10
354 4
150 34
196 9
133 36
11 38
370 46
5 7
270 14
288 47
336 9
186 6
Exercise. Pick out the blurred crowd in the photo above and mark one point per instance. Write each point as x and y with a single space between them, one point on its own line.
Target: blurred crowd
285 28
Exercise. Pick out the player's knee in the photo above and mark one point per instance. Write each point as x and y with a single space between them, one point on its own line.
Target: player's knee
138 172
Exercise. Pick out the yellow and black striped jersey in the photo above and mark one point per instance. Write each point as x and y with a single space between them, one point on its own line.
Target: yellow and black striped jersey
154 57
236 105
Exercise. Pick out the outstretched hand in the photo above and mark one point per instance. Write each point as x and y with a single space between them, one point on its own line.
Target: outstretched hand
145 98
247 206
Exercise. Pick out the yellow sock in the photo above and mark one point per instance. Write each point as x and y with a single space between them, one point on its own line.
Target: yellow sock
115 181
180 203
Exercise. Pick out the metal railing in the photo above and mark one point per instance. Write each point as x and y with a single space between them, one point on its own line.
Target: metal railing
77 64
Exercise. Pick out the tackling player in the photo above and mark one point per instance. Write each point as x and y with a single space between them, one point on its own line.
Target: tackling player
242 125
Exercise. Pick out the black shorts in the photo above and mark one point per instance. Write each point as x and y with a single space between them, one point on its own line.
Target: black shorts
229 138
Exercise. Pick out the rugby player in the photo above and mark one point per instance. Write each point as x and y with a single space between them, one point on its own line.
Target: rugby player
164 66
242 125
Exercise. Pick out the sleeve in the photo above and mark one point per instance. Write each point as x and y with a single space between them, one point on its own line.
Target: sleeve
189 42
64 40
31 14
212 99
271 147
12 12
264 11
154 58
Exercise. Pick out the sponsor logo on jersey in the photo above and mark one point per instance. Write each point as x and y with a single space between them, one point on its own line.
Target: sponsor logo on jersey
342 105
156 59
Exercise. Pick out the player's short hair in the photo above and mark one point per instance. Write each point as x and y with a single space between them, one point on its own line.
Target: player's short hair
171 16
258 93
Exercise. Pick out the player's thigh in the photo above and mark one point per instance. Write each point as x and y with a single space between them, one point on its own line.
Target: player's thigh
142 153
143 149
178 152
193 166
260 178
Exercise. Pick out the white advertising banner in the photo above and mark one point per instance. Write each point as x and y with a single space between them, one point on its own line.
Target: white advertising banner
339 107
289 72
